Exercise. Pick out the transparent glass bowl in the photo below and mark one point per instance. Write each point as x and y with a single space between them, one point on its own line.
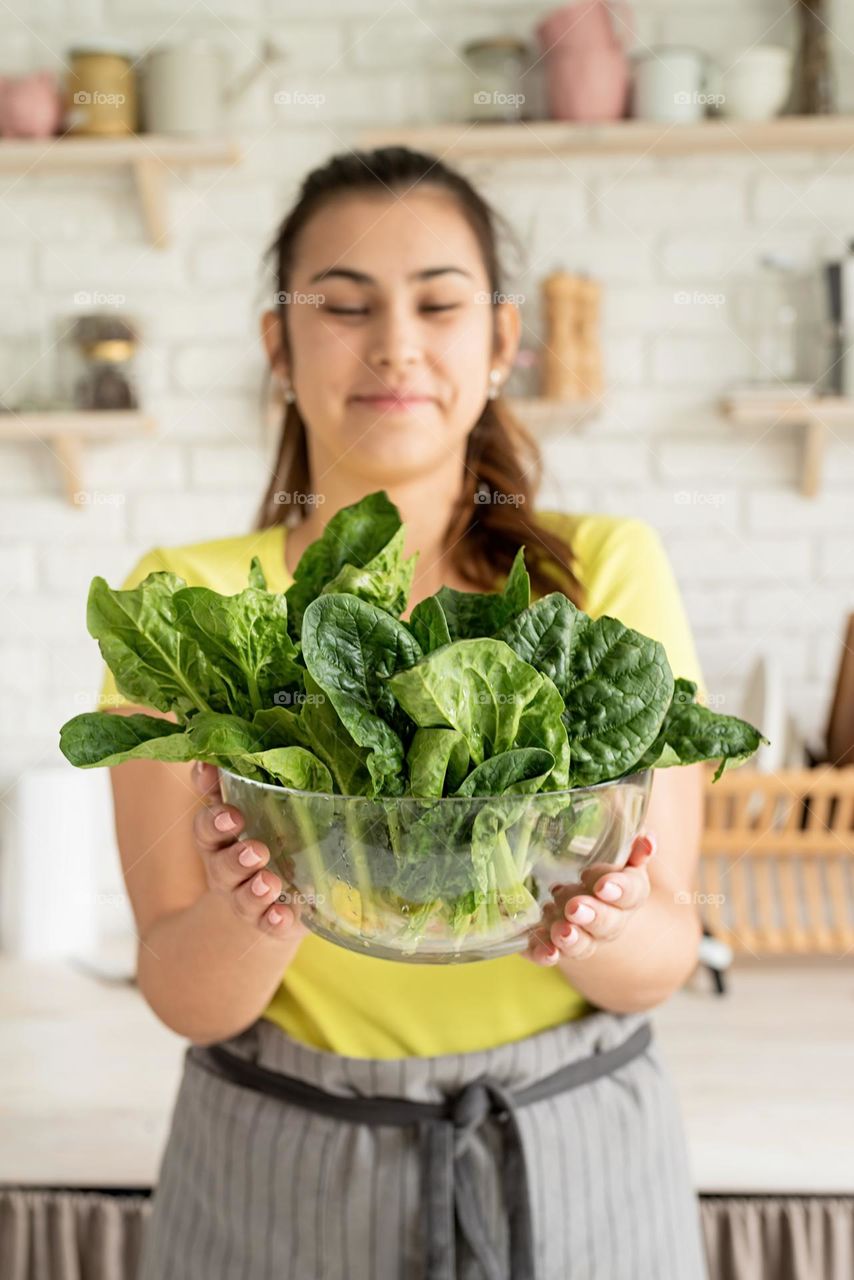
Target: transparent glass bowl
435 881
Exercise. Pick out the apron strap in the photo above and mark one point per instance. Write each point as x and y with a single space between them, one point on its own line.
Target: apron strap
445 1131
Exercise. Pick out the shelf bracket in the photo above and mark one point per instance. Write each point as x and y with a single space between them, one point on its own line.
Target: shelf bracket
69 451
150 177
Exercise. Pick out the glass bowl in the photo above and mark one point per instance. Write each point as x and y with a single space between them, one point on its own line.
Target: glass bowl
435 880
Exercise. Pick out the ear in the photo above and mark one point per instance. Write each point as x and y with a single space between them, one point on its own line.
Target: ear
508 330
271 336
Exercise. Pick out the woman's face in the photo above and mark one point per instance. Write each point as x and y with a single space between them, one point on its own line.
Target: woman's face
391 333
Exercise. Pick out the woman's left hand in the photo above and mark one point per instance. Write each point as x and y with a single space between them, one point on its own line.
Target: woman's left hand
582 916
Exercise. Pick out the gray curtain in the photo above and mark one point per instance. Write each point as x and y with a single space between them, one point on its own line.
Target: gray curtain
82 1235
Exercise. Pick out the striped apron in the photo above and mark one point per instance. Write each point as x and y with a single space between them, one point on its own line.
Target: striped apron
556 1157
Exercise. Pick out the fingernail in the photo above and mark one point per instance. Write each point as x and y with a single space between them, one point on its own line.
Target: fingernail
568 932
259 885
553 888
224 821
645 845
274 916
610 891
248 857
582 913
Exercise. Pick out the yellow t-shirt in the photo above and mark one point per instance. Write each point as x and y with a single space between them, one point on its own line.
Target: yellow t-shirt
360 1006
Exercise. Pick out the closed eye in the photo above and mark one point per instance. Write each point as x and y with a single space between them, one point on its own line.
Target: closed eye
362 311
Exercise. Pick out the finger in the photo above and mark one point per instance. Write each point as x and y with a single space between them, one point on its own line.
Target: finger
623 889
217 825
235 863
571 940
205 780
282 921
252 898
643 848
601 922
561 893
540 949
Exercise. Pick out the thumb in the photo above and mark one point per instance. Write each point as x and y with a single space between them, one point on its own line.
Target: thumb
205 780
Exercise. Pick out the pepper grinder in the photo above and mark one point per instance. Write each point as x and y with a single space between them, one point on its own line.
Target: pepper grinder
571 366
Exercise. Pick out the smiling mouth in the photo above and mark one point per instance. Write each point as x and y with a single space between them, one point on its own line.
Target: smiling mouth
393 402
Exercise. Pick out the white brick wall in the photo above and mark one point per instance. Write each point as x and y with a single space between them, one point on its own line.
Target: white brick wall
761 566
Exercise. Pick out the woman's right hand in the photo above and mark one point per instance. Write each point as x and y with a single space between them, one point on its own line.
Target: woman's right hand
235 868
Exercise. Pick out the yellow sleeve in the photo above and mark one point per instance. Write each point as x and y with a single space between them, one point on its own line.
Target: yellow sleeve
152 561
632 579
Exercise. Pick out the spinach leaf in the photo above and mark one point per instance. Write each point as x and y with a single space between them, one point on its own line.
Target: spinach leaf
428 624
385 581
542 635
333 743
437 760
294 767
520 771
101 738
620 686
244 636
153 662
257 577
353 536
691 733
478 687
541 725
350 648
471 614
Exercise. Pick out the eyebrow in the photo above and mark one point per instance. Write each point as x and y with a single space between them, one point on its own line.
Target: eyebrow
361 277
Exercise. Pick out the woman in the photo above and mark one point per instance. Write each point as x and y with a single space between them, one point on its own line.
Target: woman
391 342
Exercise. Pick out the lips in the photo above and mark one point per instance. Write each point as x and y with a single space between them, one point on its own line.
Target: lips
392 401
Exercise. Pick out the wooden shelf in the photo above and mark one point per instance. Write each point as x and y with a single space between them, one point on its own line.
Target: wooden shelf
150 157
536 139
67 433
813 413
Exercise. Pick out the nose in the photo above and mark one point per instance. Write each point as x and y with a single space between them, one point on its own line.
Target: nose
395 343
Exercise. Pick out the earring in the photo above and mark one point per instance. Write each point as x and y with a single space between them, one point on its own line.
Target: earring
288 391
495 379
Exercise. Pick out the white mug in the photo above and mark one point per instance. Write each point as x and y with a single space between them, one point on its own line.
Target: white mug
668 85
756 85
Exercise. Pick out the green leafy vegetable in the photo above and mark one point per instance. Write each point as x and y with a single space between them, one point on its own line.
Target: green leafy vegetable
323 691
691 733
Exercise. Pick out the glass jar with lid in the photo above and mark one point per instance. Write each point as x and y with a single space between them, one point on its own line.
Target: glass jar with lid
494 91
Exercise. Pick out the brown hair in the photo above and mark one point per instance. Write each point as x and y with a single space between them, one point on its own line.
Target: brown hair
501 456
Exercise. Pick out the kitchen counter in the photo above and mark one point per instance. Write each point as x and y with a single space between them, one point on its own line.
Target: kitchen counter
765 1074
